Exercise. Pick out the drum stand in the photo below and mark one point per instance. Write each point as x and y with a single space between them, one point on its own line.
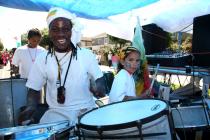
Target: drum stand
139 126
12 99
204 104
199 134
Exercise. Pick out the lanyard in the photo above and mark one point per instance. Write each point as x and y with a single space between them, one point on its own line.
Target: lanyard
59 70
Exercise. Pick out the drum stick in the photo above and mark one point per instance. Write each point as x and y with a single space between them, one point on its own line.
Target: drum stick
153 79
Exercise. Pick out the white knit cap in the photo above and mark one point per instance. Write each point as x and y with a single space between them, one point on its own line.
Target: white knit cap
57 12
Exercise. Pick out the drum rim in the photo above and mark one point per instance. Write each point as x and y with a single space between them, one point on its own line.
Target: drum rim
49 127
123 125
2 79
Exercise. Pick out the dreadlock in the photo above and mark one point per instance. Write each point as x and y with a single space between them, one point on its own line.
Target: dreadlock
51 50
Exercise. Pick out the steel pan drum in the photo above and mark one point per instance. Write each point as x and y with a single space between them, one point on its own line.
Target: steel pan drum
190 117
13 93
37 132
134 119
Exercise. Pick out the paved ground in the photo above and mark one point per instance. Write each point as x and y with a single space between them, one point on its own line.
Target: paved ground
5 72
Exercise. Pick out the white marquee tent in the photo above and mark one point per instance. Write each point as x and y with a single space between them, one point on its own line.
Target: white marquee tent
119 17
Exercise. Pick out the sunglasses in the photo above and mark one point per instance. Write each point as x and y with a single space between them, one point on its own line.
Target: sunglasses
61 95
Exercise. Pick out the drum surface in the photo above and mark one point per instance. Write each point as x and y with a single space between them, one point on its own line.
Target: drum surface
134 119
123 112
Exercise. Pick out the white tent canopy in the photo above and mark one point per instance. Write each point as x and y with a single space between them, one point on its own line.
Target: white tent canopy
170 15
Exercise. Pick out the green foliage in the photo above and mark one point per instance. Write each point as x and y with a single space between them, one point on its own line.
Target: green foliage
168 39
186 45
1 46
45 38
24 39
117 41
174 86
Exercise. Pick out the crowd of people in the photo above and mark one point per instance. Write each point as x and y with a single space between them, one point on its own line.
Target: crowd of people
6 56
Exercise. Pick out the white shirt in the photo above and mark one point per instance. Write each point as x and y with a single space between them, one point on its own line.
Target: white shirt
23 58
109 56
77 83
123 85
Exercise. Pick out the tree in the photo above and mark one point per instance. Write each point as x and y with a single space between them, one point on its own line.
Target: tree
186 43
1 45
116 41
24 39
45 38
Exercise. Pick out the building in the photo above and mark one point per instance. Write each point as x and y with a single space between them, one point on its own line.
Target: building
96 42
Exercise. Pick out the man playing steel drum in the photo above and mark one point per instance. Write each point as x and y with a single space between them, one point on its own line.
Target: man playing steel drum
65 68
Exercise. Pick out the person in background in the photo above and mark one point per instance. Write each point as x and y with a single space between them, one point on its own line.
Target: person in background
123 87
66 69
98 57
109 59
115 61
25 56
103 60
5 57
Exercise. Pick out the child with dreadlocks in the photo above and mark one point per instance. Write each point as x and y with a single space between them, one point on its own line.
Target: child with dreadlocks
65 69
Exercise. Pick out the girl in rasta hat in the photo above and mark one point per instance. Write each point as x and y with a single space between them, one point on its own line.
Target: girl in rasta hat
123 87
132 80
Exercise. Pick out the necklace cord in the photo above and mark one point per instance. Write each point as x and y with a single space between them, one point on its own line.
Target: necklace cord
59 69
32 59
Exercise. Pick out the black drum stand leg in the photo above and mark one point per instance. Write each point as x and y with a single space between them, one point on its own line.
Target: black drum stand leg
171 126
100 131
139 125
78 132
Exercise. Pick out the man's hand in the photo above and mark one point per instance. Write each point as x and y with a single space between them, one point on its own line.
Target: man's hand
26 115
33 99
100 90
14 70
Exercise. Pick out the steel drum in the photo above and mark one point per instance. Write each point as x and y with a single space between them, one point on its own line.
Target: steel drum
57 130
190 117
13 93
192 120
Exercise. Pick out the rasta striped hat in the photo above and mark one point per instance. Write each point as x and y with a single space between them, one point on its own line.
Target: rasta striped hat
57 12
125 51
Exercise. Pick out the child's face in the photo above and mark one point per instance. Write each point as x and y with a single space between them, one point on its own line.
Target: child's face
132 62
34 41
